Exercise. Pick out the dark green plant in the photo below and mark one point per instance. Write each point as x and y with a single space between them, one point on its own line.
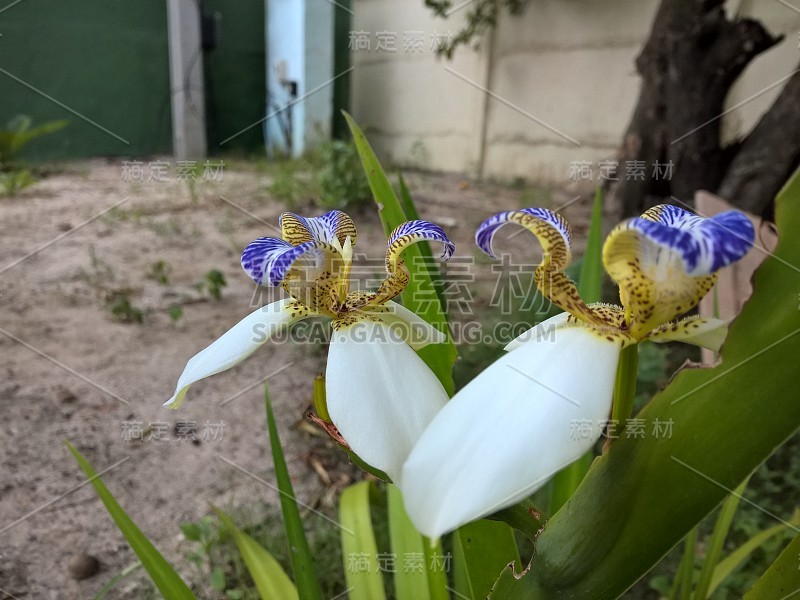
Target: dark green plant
18 133
292 180
124 311
159 272
213 282
13 182
341 178
330 176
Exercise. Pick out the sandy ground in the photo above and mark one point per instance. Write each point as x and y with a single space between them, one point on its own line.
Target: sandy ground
68 371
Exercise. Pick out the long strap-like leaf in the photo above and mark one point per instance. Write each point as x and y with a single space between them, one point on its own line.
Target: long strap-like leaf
302 560
161 572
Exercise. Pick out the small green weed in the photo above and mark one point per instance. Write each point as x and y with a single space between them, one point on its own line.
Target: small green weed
159 272
212 283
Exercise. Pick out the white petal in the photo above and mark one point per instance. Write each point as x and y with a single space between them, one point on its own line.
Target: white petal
380 394
705 332
415 330
539 333
238 343
512 428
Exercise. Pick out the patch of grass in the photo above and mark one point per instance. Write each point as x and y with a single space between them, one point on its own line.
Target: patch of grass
341 177
123 310
221 568
330 177
175 313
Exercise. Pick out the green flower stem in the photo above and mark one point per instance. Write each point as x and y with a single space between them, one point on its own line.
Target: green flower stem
624 392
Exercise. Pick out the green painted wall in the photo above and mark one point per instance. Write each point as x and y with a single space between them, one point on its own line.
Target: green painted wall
107 60
236 76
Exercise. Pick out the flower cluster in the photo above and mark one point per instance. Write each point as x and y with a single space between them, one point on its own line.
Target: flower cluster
374 381
502 436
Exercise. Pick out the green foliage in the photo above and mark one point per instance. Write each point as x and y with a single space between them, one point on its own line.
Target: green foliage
329 176
220 564
302 559
293 182
423 276
213 283
161 572
270 579
728 419
159 272
175 313
782 579
481 550
482 15
117 579
18 133
124 311
13 182
358 540
340 177
429 583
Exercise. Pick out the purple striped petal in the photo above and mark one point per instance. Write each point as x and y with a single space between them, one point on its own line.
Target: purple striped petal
486 231
412 232
673 216
704 245
333 225
268 259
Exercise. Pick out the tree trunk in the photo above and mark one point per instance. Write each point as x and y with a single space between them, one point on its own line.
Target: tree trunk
688 65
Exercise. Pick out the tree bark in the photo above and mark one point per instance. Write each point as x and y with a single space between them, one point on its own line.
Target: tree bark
688 65
768 156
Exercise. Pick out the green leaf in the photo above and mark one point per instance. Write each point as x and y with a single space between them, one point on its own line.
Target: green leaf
624 388
191 531
161 572
411 214
737 558
359 549
644 495
717 541
421 289
300 554
218 575
590 279
408 584
525 517
685 574
782 579
481 551
407 204
437 578
270 579
412 584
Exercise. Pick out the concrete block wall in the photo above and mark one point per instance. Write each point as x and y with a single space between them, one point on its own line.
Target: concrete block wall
561 78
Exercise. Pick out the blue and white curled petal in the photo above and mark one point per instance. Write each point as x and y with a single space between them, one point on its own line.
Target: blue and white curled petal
267 260
673 216
484 236
411 232
703 245
333 225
